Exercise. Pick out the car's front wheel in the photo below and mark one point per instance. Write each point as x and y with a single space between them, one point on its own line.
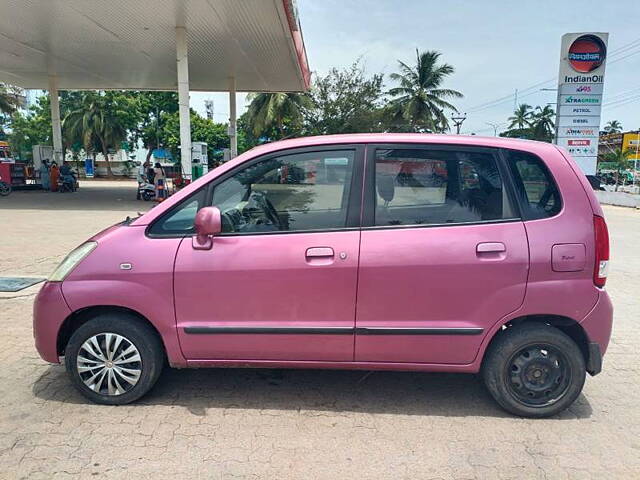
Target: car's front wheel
534 370
114 358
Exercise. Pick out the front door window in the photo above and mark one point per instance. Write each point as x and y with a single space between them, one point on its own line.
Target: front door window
297 192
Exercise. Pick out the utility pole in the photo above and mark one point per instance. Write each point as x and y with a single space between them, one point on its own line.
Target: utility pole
457 121
515 101
495 128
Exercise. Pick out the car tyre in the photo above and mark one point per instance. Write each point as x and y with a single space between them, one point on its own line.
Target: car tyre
114 358
534 370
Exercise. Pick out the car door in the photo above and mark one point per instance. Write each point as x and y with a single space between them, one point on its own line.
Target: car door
280 282
443 253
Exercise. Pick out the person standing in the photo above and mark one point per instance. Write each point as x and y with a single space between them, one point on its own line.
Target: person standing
45 178
54 174
150 173
142 176
160 182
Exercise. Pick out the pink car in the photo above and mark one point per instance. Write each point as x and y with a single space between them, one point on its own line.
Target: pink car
380 252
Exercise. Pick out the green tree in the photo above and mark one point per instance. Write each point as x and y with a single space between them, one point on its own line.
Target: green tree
276 113
101 122
522 117
153 109
542 123
31 128
345 101
8 99
613 126
420 100
619 159
202 130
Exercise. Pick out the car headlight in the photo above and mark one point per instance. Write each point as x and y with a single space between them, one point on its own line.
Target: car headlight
71 261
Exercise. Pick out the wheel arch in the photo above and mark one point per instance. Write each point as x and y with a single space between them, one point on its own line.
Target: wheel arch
83 315
567 325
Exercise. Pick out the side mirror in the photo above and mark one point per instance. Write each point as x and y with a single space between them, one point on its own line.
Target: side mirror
208 223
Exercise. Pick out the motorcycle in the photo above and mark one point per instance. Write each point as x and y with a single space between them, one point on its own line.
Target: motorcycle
67 183
146 191
5 188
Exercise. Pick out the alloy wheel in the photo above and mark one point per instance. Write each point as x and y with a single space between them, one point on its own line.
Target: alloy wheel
109 364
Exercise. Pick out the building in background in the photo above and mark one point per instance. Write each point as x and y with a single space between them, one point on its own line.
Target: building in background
607 143
610 142
631 142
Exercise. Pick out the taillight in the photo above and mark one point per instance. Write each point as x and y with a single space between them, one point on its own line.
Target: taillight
602 251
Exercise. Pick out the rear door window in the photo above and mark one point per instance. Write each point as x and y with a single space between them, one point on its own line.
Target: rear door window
538 192
420 186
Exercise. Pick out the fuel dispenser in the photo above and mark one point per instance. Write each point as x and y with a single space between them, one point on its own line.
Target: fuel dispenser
199 160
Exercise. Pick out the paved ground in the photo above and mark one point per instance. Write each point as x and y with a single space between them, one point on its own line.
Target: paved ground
294 424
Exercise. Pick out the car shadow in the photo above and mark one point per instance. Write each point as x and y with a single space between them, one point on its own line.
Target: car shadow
407 393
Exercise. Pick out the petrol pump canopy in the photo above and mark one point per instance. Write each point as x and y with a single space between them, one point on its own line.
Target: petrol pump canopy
131 44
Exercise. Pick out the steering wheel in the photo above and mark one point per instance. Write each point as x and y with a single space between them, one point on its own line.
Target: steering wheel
270 211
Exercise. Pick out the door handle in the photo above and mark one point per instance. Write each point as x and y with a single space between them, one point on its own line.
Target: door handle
491 247
315 252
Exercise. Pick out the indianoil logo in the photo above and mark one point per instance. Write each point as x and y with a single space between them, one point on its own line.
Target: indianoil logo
586 53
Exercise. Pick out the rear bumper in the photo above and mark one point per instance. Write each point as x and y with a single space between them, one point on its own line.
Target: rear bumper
49 312
594 364
597 325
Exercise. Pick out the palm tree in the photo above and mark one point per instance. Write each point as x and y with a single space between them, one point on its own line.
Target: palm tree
8 100
273 110
521 117
420 100
95 126
614 126
620 159
542 123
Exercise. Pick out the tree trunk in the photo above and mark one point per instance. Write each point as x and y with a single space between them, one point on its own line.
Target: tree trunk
95 170
106 159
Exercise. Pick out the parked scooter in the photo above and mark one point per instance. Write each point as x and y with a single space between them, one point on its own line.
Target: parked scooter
67 183
5 188
146 191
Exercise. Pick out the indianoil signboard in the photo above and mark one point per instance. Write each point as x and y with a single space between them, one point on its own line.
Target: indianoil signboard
580 85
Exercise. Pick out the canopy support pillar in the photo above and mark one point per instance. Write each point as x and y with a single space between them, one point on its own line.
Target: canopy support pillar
182 56
55 119
233 133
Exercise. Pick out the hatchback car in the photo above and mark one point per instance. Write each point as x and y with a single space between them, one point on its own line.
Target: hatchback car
383 251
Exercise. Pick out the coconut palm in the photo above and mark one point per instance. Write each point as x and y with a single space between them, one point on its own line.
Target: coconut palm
420 99
521 117
620 159
269 111
542 123
614 126
95 126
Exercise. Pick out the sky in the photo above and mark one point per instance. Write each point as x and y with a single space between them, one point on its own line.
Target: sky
495 47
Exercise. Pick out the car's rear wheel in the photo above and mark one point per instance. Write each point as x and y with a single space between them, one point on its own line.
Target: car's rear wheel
114 358
534 370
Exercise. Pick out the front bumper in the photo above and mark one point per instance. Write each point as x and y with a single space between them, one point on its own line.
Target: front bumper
49 313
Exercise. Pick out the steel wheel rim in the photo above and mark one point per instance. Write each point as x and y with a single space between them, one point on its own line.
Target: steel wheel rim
538 375
109 364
